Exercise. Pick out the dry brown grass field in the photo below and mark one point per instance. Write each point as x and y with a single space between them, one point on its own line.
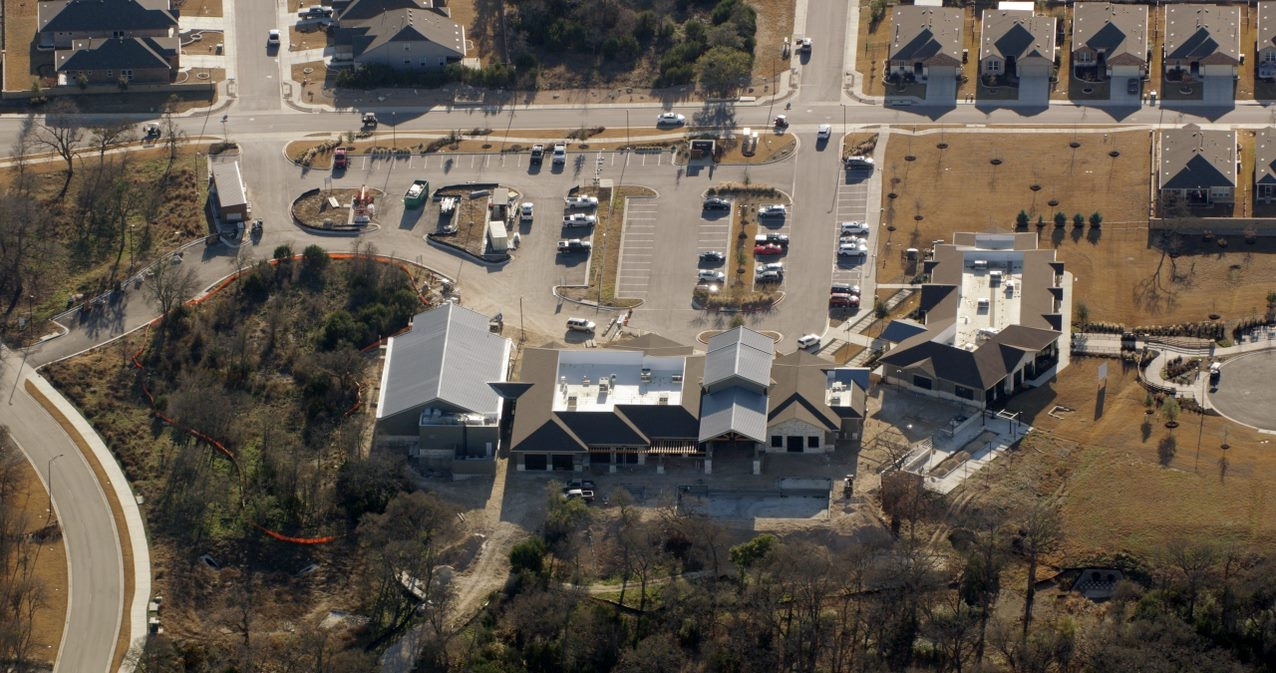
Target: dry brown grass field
1127 490
1120 277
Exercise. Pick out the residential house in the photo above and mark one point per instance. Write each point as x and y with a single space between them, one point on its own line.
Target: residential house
115 60
1109 41
110 41
996 314
1201 41
399 34
1266 39
1018 47
1197 168
63 22
1016 44
925 43
443 387
655 401
1265 165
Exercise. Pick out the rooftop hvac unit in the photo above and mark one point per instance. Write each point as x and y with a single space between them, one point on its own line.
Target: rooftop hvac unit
645 376
603 386
838 386
664 400
584 381
677 378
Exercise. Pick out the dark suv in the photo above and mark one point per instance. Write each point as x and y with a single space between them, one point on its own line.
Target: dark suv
716 203
538 154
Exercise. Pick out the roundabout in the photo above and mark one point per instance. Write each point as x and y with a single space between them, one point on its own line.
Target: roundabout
1244 394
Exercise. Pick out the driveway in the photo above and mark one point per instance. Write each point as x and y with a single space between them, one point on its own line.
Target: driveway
1034 91
1119 95
941 91
1219 92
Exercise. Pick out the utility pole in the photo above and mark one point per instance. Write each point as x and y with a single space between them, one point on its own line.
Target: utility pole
522 334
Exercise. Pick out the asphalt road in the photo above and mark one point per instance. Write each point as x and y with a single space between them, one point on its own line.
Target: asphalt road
92 543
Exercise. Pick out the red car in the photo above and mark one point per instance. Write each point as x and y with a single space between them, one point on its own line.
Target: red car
339 159
768 249
843 301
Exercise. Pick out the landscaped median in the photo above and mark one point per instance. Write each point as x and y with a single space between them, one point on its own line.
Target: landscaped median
464 225
605 259
739 292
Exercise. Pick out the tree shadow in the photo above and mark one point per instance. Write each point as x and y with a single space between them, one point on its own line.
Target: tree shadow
1094 235
1165 450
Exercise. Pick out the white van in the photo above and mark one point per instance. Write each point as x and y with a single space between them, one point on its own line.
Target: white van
580 325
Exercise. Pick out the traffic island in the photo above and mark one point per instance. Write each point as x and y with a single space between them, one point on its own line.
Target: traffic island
337 210
477 219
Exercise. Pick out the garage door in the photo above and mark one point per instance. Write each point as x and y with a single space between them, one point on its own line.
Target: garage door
1034 90
562 462
535 462
794 443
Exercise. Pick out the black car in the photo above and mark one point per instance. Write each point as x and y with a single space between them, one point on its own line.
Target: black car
713 256
716 203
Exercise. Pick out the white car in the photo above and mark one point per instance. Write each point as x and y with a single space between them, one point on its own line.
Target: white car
525 212
854 229
581 201
852 240
777 267
579 220
808 341
859 163
773 210
272 38
560 154
826 130
708 276
670 119
852 250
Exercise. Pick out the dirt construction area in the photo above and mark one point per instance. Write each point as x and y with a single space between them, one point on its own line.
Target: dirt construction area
981 181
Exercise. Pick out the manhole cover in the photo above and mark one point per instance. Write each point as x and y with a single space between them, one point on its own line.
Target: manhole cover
892 195
1114 154
1052 202
1074 144
918 218
995 162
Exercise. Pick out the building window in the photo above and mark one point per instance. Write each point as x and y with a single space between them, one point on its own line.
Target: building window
964 393
1269 56
812 442
127 75
1085 57
922 382
110 73
994 66
777 441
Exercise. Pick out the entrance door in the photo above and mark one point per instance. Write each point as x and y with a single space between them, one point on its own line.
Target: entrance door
794 443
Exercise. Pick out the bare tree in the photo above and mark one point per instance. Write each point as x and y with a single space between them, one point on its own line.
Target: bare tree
109 136
170 285
62 133
1040 533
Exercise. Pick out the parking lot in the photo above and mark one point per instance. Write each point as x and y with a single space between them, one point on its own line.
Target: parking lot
852 205
638 242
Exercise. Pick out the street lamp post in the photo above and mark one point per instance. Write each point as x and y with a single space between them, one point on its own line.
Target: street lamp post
48 472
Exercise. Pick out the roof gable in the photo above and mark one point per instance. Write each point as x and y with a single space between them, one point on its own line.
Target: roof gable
733 411
1195 32
739 354
1192 158
118 54
1120 31
928 34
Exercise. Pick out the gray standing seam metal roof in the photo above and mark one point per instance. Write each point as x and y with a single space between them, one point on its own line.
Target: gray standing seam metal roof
739 353
229 183
734 410
448 355
1265 157
1207 33
105 16
1119 31
1193 158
